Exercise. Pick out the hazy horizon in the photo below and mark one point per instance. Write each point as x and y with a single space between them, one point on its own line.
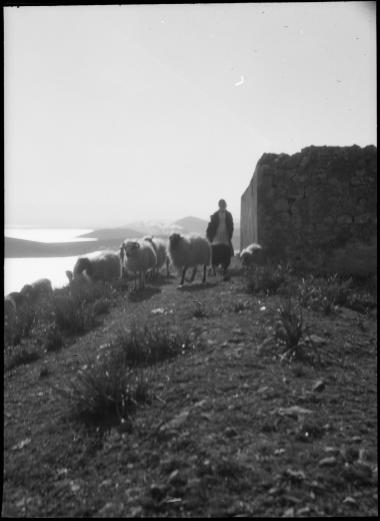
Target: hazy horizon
116 114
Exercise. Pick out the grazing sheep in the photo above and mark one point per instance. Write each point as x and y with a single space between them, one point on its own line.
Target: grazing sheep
160 247
220 256
189 252
39 289
100 265
139 256
10 307
252 255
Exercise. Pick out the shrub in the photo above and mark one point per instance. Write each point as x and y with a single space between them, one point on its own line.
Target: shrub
268 278
148 345
289 329
323 293
106 391
73 317
110 389
19 326
19 355
199 310
53 339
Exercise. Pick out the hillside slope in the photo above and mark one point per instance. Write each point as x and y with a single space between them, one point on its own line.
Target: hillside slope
220 437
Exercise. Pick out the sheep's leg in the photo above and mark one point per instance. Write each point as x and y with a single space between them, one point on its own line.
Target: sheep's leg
193 274
204 273
167 268
183 275
142 274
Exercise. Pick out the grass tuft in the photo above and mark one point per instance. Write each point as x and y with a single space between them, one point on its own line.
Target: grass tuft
289 329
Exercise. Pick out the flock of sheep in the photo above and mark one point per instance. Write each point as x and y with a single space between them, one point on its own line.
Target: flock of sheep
140 257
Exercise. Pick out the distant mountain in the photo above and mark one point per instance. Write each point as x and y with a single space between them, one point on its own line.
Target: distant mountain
196 225
137 229
25 248
112 233
154 228
192 225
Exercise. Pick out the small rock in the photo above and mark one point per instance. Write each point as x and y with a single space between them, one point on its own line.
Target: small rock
349 501
289 512
278 452
327 462
177 421
303 511
230 432
262 389
106 509
275 491
21 444
75 487
106 483
158 311
356 439
176 479
317 340
293 411
296 475
136 511
332 450
318 386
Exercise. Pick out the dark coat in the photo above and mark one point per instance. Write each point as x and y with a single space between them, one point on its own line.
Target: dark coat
214 223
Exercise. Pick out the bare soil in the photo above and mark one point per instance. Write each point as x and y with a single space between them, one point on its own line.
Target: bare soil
232 430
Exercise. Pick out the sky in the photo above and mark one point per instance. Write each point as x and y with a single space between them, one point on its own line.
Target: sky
114 114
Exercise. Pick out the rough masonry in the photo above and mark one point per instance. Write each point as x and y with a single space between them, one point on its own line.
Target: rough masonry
316 208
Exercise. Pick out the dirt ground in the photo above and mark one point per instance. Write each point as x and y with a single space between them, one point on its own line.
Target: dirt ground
232 430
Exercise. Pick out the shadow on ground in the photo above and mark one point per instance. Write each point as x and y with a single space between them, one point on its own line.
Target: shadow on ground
196 287
143 294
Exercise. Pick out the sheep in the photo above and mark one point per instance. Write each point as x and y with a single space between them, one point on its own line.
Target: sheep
251 255
31 293
160 247
10 307
220 255
139 256
189 252
97 266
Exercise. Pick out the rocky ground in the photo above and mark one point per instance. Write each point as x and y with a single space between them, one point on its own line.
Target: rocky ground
233 429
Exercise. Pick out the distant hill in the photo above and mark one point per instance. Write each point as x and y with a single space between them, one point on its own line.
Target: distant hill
192 225
112 233
196 225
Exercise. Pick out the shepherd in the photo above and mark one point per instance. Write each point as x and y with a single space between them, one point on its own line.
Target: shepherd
221 227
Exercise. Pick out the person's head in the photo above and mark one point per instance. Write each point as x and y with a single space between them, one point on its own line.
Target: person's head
222 204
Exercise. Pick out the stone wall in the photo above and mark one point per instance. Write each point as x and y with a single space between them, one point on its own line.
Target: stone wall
316 208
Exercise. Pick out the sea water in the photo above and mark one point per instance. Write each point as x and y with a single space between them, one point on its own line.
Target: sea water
20 271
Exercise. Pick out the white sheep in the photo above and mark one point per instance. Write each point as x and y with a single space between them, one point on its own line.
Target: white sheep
10 308
189 252
252 255
161 248
39 289
99 265
138 256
